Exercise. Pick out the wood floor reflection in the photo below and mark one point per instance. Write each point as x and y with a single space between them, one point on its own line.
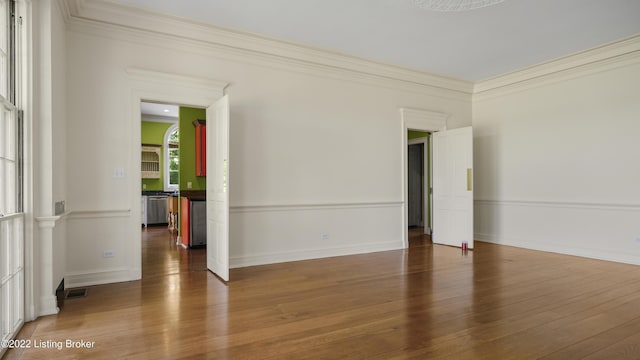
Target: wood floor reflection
426 302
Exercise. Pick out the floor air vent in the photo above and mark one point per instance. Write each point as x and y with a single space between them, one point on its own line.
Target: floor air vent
76 293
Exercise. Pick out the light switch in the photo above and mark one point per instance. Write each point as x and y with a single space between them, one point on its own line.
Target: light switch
189 185
118 172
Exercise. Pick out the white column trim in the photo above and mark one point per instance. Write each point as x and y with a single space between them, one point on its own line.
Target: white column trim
47 222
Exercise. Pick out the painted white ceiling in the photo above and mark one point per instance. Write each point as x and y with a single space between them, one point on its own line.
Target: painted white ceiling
154 109
472 45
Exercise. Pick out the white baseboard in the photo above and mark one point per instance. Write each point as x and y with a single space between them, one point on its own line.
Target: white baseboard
292 232
272 258
98 277
587 253
48 305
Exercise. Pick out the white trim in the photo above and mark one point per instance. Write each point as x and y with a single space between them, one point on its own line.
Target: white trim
167 186
10 216
242 46
63 7
421 120
98 214
559 249
417 119
47 222
568 236
96 277
177 80
620 53
48 305
26 98
312 207
272 258
563 204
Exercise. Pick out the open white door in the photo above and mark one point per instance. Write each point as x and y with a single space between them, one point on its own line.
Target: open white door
218 188
453 187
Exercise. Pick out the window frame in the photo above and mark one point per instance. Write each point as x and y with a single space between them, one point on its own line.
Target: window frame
13 284
167 160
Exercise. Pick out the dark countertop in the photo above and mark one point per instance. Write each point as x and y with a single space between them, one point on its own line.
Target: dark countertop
191 194
159 193
194 194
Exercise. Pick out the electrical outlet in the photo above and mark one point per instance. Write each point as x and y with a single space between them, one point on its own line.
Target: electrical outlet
108 254
59 207
325 236
189 185
144 186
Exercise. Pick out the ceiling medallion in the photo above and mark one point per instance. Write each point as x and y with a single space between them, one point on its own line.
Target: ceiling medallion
454 5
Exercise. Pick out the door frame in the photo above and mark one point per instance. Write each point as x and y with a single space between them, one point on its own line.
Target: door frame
160 87
420 120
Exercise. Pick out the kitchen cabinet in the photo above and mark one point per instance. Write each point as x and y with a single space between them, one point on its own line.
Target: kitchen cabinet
150 164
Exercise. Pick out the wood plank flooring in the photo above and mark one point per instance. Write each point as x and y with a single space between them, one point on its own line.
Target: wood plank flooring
428 302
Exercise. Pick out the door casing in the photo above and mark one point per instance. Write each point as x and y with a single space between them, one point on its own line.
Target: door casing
160 87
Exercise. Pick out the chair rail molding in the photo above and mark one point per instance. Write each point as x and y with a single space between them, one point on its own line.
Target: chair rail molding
598 230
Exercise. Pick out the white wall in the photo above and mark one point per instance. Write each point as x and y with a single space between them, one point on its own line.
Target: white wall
557 160
315 149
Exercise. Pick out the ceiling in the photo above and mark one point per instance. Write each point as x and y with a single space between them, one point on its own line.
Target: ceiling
473 45
169 111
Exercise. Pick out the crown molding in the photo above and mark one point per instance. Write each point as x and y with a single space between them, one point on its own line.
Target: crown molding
109 12
63 6
605 57
238 55
73 6
175 79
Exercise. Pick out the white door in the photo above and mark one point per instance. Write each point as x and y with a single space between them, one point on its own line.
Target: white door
453 187
218 188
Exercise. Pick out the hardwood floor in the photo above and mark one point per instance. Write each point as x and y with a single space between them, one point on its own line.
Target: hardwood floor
428 302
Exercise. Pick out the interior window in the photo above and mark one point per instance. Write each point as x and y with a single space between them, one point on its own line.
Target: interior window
12 273
172 159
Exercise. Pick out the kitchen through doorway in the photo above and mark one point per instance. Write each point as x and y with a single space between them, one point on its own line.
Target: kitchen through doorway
173 219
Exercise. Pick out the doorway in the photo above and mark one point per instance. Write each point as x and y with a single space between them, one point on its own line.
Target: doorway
162 155
419 180
163 88
416 185
451 190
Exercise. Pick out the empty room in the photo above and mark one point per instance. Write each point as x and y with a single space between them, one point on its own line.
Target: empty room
382 179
